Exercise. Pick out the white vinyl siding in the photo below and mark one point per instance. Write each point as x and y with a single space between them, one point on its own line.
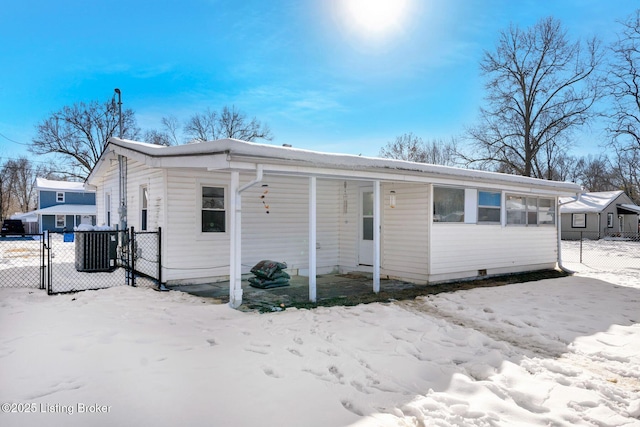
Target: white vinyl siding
187 253
405 242
348 214
462 251
282 234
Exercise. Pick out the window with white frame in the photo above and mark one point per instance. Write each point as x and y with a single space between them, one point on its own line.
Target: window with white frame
60 221
546 211
610 220
144 203
107 208
489 205
213 210
448 204
60 196
522 210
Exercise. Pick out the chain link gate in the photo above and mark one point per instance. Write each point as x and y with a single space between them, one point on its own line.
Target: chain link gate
22 261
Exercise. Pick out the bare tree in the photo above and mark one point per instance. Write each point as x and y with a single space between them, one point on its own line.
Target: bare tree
626 172
157 137
17 185
540 87
79 133
202 126
594 173
234 124
228 123
624 84
171 126
413 148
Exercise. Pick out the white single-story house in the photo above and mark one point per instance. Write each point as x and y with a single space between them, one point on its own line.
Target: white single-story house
598 214
225 205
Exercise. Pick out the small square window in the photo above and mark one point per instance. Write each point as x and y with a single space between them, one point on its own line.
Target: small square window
60 197
579 220
489 204
448 204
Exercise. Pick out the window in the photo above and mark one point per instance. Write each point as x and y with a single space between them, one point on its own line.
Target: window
144 207
60 221
530 211
516 210
579 220
489 203
213 212
367 215
107 206
610 220
448 204
60 197
546 212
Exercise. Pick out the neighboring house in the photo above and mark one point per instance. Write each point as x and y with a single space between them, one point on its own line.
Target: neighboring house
225 205
599 214
64 205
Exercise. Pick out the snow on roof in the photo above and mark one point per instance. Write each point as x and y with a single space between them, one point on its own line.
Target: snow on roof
589 202
67 210
274 153
49 184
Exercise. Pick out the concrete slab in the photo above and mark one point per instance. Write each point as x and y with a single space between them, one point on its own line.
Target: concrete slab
345 289
328 286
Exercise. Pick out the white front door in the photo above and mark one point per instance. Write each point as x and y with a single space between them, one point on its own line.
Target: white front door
365 239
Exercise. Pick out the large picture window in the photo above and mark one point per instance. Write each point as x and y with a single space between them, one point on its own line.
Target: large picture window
448 204
213 210
530 211
489 203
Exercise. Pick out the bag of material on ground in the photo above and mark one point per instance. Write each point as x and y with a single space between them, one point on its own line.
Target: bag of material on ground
269 274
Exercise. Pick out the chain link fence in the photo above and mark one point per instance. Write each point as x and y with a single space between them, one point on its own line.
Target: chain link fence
22 261
602 252
81 260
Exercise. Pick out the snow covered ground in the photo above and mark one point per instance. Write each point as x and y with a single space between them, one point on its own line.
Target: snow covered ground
554 352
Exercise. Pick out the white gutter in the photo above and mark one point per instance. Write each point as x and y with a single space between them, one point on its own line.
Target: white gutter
235 250
560 266
258 179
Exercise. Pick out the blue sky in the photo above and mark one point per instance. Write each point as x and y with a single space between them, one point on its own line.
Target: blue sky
307 68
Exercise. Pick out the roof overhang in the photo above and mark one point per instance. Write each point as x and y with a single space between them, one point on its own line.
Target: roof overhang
628 209
231 154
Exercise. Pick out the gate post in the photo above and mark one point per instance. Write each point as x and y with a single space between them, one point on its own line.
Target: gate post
160 286
132 262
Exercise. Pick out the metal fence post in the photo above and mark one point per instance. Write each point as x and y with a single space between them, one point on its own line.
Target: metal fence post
48 269
132 251
581 247
160 258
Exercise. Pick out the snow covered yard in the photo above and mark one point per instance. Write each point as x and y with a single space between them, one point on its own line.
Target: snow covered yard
554 352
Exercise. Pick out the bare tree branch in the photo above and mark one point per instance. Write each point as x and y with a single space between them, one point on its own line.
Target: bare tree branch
79 133
540 87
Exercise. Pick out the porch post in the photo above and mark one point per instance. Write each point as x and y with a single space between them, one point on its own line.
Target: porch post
376 236
235 241
312 238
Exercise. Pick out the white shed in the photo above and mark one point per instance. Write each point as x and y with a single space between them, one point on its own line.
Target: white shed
225 205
